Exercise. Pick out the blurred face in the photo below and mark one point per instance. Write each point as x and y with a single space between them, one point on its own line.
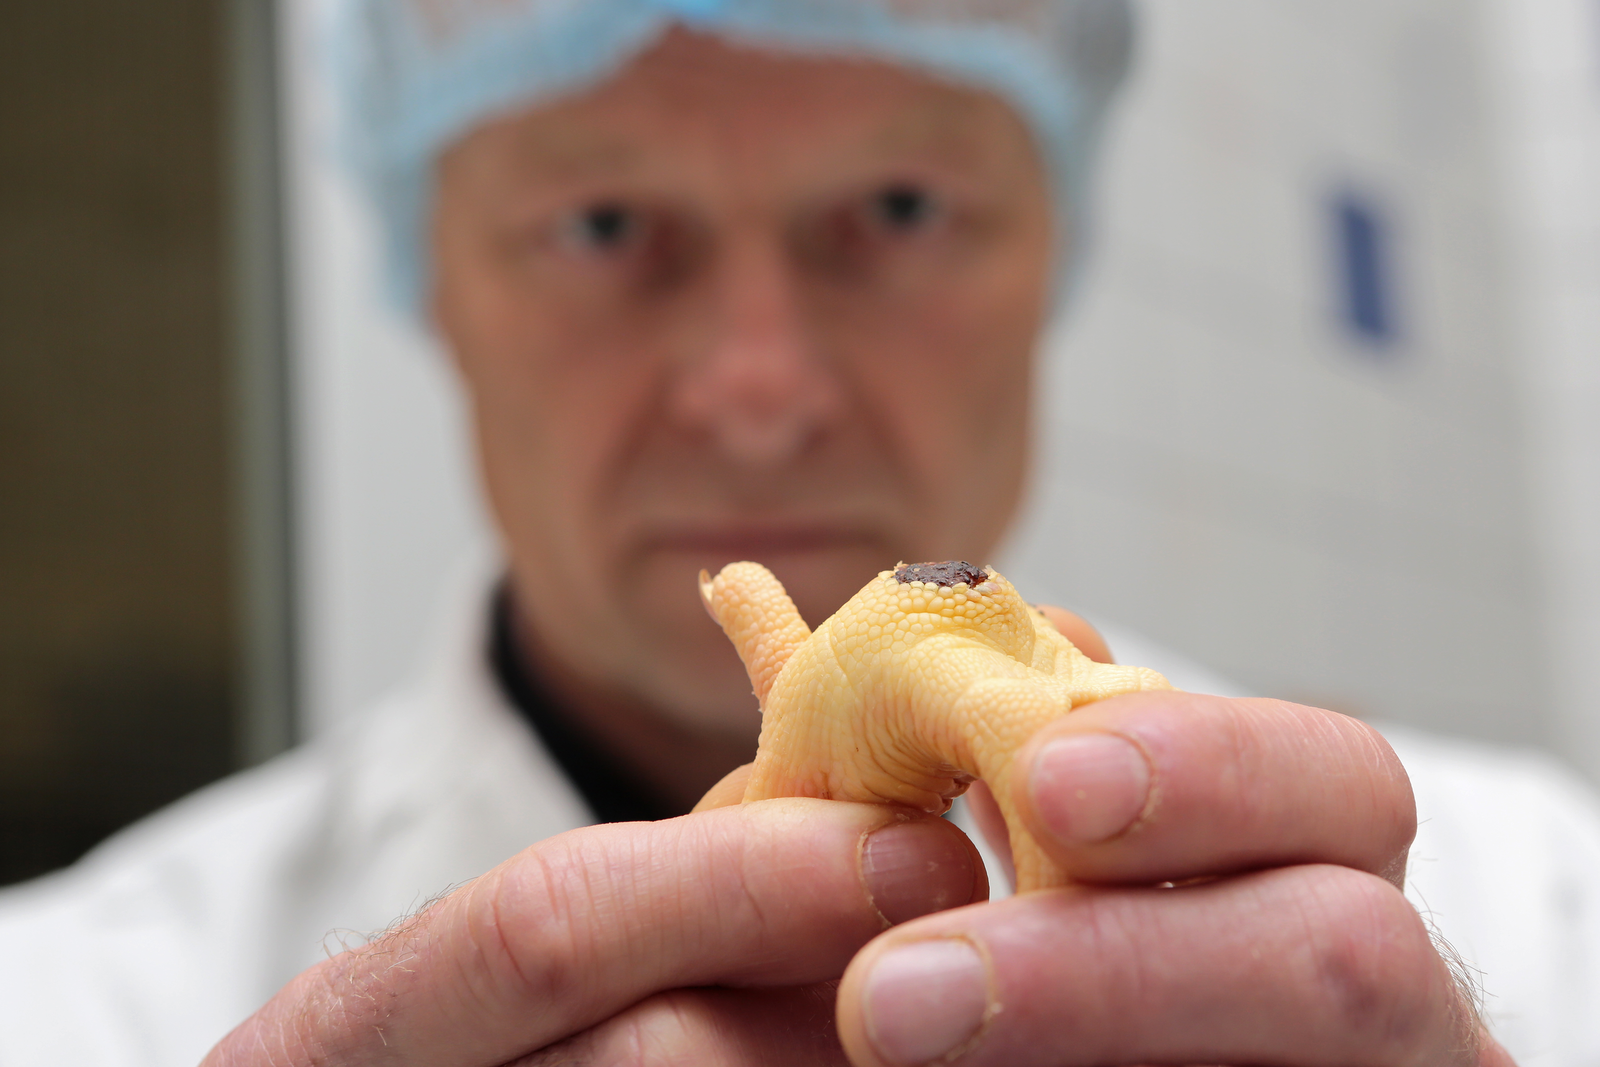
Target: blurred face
739 305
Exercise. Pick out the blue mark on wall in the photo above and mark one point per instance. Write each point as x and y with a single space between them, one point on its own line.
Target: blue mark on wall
1365 270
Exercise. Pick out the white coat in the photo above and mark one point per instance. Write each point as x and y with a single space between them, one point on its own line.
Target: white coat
169 934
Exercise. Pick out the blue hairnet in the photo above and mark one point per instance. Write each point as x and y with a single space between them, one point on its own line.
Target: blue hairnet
415 75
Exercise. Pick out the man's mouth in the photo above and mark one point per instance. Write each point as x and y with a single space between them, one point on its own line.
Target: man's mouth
756 541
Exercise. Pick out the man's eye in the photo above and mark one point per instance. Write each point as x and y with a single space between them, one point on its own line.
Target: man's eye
903 208
602 227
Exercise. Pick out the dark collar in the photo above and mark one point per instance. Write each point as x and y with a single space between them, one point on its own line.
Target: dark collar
612 793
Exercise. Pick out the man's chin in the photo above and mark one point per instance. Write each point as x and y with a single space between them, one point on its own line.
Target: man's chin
684 663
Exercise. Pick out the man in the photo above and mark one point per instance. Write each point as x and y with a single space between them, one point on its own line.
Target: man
763 281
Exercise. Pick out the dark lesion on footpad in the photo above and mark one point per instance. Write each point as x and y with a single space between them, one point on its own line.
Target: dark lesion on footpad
949 572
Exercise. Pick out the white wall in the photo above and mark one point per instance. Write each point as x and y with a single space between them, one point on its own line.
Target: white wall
1229 468
1224 466
1546 63
385 498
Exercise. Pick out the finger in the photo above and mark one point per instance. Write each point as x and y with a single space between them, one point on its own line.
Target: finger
728 791
710 1028
1491 1053
1076 628
580 926
980 801
1170 786
1303 967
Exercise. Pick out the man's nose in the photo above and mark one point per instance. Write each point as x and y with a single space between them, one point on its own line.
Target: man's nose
758 386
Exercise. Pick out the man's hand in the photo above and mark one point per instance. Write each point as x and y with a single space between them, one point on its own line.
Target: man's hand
1243 863
590 947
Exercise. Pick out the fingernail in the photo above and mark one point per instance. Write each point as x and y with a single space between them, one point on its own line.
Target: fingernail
925 1000
917 868
1089 788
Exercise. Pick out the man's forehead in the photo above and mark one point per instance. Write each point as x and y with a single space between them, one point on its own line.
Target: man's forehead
421 77
626 127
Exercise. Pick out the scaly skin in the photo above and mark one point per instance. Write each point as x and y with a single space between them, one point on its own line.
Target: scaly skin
909 692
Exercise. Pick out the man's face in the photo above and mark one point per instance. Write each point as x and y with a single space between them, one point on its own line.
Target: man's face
739 305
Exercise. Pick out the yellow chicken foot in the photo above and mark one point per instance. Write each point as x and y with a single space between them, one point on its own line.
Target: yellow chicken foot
933 675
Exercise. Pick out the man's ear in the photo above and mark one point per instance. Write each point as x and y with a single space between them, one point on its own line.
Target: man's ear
439 322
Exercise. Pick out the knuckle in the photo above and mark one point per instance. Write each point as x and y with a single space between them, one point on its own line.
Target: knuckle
509 971
524 923
1374 965
320 1017
678 1028
673 1029
1385 764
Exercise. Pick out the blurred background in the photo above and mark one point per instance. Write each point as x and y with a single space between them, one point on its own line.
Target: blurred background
1326 415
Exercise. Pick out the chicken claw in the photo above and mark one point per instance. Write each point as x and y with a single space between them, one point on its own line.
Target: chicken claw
933 675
